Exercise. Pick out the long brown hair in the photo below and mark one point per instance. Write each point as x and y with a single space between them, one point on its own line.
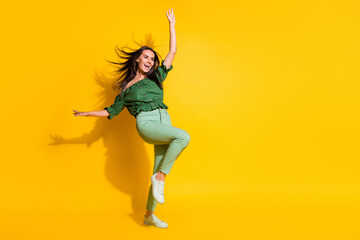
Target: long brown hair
126 67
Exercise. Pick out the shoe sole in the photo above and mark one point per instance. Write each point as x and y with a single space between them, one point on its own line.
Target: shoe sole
146 223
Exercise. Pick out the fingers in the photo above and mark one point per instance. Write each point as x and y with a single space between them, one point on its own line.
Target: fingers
170 15
171 12
76 113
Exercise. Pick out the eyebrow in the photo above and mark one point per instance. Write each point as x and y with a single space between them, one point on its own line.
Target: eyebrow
148 55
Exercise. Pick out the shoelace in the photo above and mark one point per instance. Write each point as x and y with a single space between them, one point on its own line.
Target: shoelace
161 188
157 220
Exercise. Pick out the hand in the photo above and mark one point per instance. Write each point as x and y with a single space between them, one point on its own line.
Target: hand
77 113
171 17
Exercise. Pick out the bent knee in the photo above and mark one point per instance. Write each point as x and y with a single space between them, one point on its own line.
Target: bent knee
185 138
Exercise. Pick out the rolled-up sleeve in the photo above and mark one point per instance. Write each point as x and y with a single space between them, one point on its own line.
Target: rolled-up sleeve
116 107
163 71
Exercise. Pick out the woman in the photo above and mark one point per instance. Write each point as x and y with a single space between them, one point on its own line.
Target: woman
141 92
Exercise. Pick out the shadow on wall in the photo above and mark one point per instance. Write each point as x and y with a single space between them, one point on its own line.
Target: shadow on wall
127 164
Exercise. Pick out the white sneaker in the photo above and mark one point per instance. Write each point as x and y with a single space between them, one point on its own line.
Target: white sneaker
153 220
158 189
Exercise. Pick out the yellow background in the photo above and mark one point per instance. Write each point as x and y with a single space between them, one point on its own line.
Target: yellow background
268 90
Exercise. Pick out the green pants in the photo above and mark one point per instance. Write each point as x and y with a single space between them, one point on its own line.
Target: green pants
155 127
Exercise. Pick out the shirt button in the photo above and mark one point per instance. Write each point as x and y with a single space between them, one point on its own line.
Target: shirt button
144 94
152 103
149 98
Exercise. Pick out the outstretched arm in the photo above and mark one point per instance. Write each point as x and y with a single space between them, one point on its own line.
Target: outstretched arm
172 50
102 113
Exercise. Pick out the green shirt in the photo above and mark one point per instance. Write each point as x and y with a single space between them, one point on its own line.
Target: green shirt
144 95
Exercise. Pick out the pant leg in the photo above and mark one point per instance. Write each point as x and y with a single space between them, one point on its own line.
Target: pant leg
159 151
153 127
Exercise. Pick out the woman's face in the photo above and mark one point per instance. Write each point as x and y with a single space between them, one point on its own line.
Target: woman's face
146 61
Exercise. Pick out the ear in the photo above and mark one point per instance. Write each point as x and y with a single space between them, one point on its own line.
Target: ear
136 59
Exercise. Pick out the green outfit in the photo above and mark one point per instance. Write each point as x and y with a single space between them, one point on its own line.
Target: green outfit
144 95
144 100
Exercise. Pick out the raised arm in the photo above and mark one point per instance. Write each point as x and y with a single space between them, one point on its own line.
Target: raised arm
172 50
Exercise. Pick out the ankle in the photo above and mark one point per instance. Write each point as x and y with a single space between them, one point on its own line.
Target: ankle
160 176
148 213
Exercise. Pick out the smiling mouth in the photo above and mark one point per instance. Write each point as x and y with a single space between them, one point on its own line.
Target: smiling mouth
147 67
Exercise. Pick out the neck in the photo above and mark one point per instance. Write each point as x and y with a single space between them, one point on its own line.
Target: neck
140 74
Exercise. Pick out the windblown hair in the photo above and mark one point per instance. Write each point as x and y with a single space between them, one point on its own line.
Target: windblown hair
126 68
